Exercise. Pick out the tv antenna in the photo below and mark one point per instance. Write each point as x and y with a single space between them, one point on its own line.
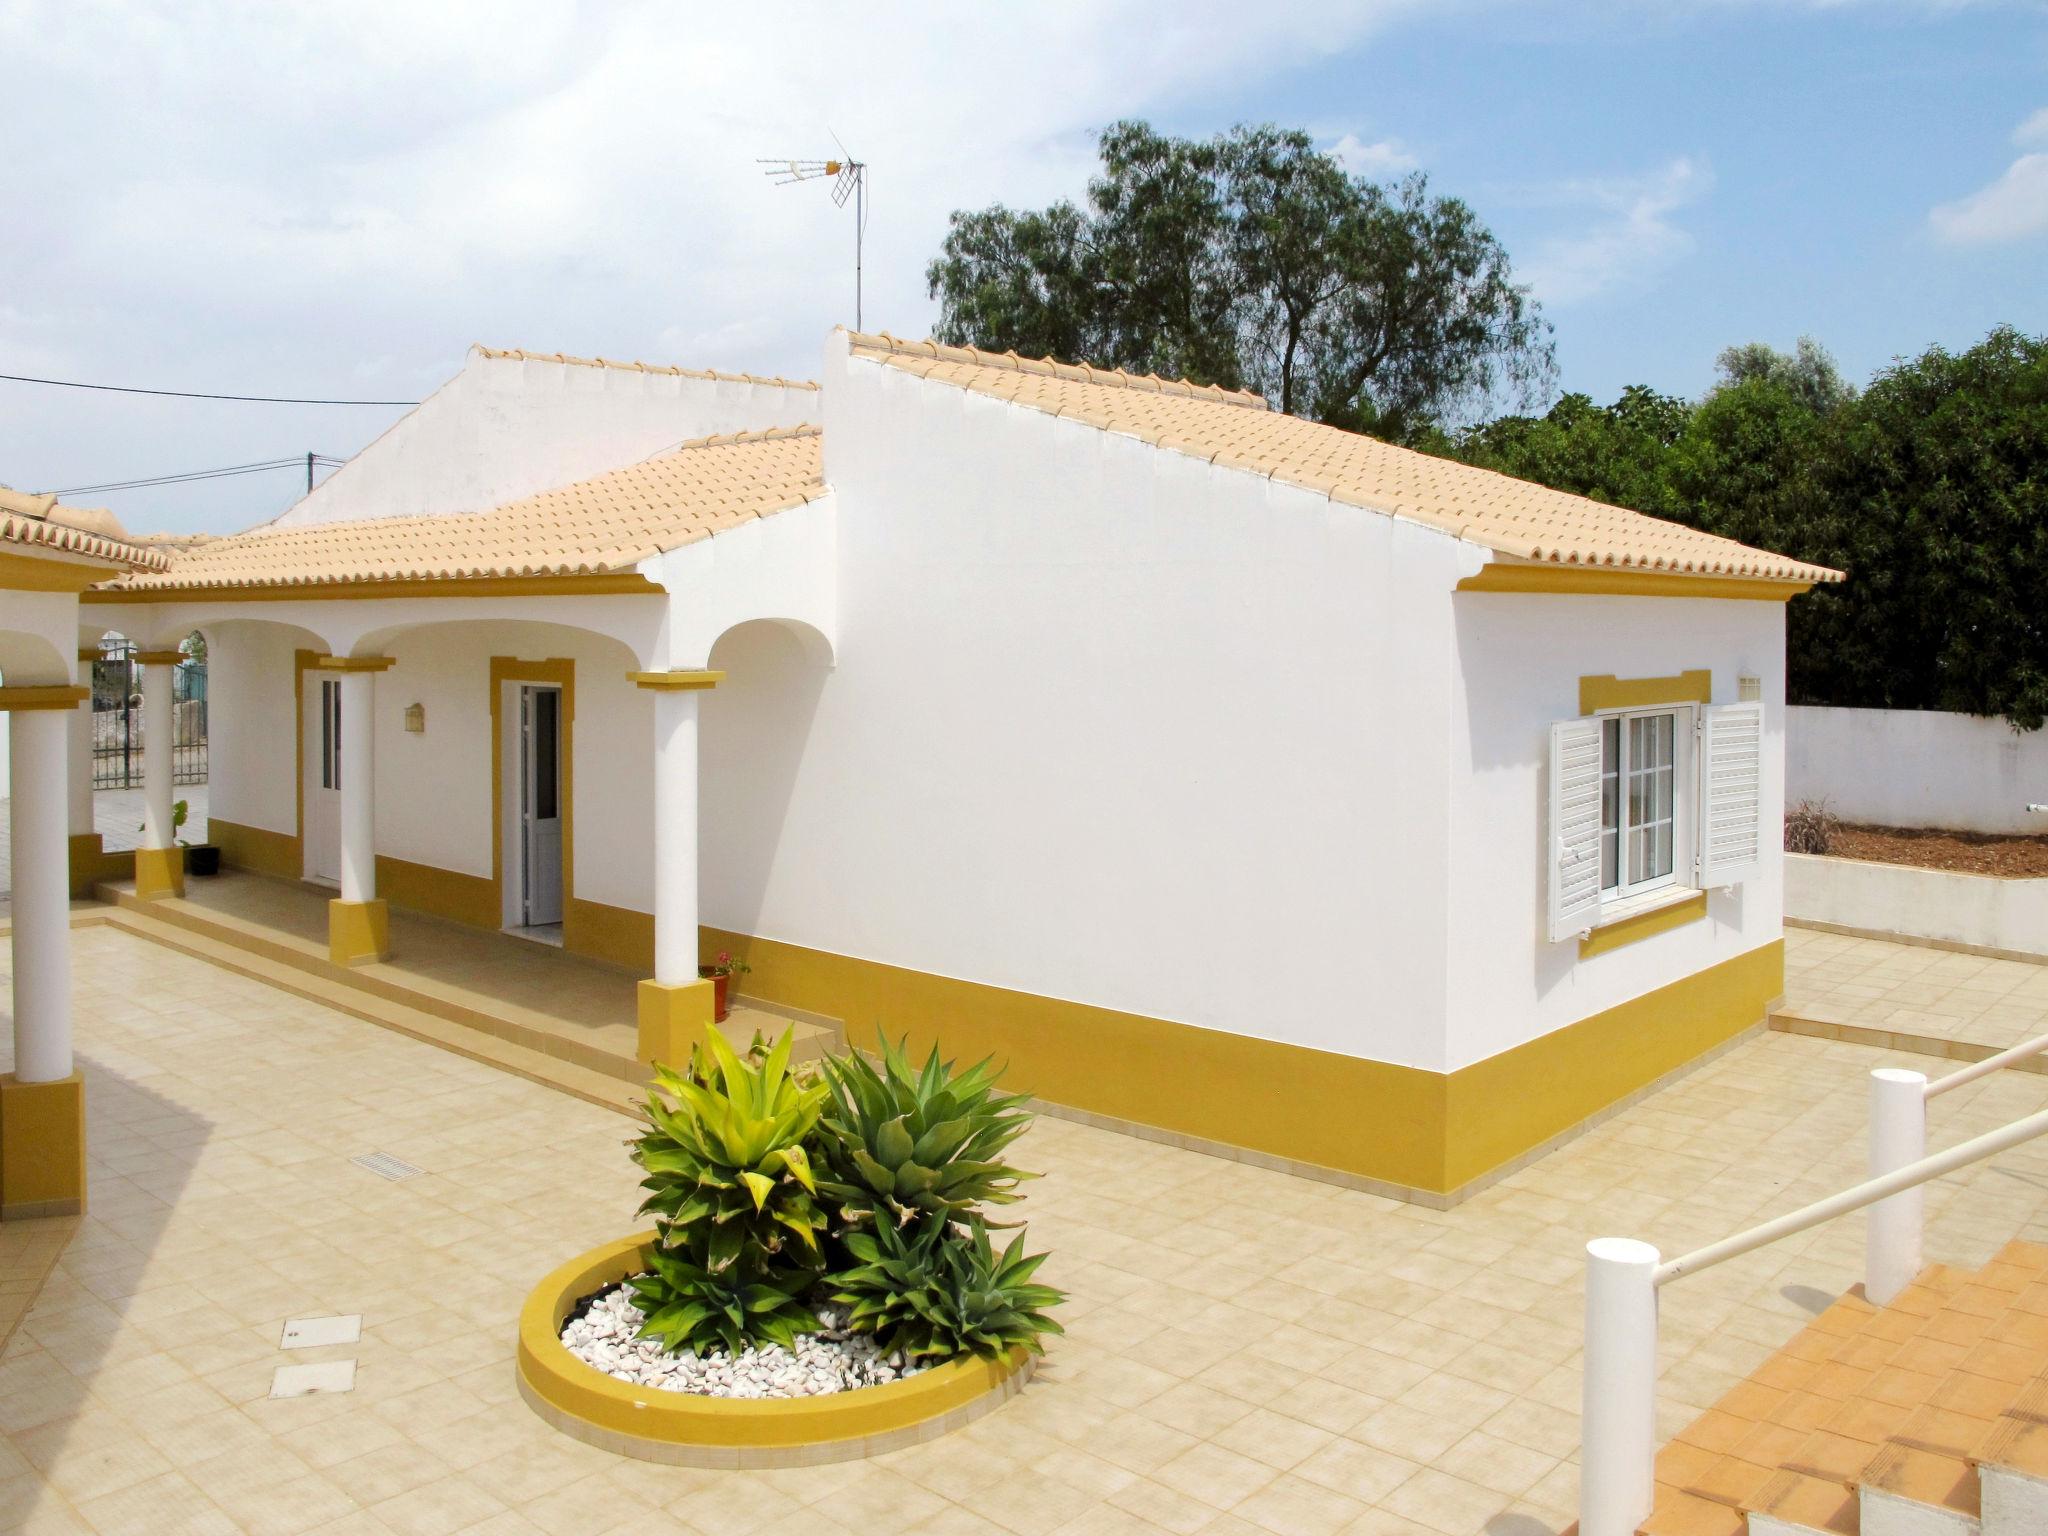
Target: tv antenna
849 179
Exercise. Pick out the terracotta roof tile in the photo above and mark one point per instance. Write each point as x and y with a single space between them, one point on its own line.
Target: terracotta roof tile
520 354
606 524
1234 429
90 533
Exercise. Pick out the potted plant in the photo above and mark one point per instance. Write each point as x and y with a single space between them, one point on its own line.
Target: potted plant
720 973
200 858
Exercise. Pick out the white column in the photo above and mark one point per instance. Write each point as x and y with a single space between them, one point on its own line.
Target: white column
1618 1421
675 835
78 736
42 895
358 787
157 675
1892 1227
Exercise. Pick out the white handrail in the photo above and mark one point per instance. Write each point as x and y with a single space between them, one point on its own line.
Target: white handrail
1869 1193
1988 1065
1618 1449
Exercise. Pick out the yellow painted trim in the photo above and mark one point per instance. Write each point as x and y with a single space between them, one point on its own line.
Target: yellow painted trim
561 671
1375 1120
1504 1106
1623 931
675 1018
51 696
624 584
353 663
302 662
1372 1119
160 658
448 893
616 1411
677 679
65 572
258 848
1603 581
358 932
618 935
159 872
91 863
42 1147
1609 692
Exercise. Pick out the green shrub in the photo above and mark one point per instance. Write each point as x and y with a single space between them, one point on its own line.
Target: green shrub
933 1292
688 1307
917 1143
731 1189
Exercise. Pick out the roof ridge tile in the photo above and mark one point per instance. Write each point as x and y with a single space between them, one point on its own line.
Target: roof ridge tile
673 370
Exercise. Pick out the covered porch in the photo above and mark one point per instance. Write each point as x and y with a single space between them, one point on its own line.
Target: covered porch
538 1010
491 719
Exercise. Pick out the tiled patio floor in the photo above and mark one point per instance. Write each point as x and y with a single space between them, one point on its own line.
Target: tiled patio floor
1246 1351
1908 989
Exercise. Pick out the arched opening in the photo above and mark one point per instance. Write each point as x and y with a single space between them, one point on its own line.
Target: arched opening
756 725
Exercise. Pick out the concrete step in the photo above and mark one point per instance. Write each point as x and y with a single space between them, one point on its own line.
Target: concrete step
600 1088
467 1008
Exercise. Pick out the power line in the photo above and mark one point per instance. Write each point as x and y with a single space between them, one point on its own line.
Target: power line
197 474
189 394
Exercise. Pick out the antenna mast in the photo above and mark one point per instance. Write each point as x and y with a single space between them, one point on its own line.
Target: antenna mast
849 179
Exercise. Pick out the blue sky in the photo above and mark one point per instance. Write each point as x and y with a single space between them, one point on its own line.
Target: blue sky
340 200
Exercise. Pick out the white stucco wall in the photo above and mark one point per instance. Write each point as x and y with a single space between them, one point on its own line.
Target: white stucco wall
1520 658
1107 724
504 428
1917 768
252 731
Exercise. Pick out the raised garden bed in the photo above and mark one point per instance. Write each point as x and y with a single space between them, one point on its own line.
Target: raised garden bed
688 1429
820 1282
1962 853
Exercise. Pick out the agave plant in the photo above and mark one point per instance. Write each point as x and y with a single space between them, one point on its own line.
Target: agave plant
932 1291
917 1143
728 1179
689 1307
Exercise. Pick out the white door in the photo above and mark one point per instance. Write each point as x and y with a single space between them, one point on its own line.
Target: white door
540 805
323 782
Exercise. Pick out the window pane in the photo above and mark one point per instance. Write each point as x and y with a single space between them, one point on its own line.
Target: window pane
547 752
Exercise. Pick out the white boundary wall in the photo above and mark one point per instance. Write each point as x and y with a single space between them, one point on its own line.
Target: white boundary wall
1917 768
1981 911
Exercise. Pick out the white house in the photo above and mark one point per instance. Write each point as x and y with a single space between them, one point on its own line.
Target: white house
1237 779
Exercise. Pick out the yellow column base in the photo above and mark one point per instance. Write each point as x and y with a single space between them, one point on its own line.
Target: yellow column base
159 872
674 1017
358 932
42 1147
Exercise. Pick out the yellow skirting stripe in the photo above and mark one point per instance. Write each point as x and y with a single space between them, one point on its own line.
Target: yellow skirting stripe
471 899
257 849
1374 1120
42 1147
91 863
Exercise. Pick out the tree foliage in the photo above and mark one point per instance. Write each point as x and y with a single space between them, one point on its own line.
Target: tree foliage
1930 489
1253 260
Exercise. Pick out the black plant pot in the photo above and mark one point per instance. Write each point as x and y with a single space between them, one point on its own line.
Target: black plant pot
202 859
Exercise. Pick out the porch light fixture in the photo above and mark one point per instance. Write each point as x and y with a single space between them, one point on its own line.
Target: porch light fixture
416 717
1749 689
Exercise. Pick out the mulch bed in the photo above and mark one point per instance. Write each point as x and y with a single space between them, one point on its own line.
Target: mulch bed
1965 853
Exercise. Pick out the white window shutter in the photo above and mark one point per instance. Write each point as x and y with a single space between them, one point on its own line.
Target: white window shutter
1730 844
1574 826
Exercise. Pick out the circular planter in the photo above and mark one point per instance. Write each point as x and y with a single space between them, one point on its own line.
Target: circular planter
684 1429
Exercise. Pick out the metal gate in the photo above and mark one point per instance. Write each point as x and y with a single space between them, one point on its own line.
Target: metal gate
117 719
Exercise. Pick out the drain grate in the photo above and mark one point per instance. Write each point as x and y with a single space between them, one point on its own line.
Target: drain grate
385 1166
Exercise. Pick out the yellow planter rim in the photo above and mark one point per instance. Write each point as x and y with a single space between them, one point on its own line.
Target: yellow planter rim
583 1398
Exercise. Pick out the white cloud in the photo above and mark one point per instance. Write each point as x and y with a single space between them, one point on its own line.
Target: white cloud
340 199
1626 235
1375 161
2010 208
